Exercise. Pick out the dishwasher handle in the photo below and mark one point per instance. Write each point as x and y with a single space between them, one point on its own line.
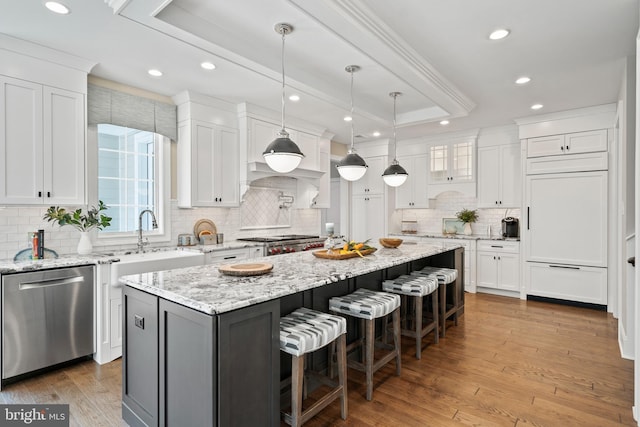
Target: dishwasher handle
23 286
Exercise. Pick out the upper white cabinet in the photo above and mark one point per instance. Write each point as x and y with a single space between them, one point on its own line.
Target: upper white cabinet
452 165
323 199
371 182
413 193
42 144
570 143
499 176
367 217
208 159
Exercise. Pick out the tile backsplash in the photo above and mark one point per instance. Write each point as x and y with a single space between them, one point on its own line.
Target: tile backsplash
447 204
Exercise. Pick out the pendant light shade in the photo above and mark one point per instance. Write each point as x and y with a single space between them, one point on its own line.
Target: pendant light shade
352 167
395 175
282 154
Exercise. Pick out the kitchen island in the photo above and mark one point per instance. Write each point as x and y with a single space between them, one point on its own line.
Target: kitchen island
202 348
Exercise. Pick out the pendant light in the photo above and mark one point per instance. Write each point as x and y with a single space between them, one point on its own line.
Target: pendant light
283 155
352 167
395 175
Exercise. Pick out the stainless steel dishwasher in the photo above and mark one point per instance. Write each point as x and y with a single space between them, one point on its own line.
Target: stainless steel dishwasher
47 318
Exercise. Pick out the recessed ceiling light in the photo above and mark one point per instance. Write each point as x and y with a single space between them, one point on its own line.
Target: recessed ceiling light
444 122
499 34
155 73
58 8
294 98
536 106
348 118
523 80
208 65
376 133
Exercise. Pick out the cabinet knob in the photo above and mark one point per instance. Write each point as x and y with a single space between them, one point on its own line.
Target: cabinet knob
566 147
39 193
48 193
500 201
562 147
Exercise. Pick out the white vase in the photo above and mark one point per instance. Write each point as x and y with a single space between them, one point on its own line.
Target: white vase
467 229
84 245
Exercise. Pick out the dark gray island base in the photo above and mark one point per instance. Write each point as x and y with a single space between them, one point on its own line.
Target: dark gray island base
202 349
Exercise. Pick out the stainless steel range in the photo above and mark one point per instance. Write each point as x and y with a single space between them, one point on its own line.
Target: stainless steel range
287 243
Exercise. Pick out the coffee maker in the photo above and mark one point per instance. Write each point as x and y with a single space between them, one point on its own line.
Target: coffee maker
510 227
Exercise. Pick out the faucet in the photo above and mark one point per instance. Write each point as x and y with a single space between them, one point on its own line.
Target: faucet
154 223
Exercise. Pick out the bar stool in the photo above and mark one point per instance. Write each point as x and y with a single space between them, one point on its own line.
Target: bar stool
368 306
445 276
303 332
417 287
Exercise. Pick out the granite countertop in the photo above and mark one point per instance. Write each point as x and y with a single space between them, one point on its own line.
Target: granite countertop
9 266
440 235
205 289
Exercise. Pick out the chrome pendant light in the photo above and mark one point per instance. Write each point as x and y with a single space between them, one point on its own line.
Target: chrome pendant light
395 175
352 167
283 155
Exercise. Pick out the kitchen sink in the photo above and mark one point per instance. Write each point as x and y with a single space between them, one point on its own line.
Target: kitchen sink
145 262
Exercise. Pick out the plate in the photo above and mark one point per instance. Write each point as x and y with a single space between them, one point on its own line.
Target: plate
204 225
25 254
250 269
337 255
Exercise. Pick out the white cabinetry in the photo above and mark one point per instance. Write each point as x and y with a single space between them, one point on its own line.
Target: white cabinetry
233 255
42 144
452 166
570 143
498 266
367 217
499 176
413 193
371 182
108 315
323 199
208 159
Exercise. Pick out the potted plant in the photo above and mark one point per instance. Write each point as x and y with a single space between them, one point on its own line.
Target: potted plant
467 216
83 222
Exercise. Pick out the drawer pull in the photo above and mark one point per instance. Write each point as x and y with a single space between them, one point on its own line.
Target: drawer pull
230 257
564 266
497 246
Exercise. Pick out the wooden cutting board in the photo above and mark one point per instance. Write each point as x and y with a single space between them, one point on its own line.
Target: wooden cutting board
250 269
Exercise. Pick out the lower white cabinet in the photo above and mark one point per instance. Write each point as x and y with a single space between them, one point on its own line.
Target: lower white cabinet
232 255
498 265
108 315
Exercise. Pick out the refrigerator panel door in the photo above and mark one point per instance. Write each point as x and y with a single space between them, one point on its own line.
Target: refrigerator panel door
567 218
584 284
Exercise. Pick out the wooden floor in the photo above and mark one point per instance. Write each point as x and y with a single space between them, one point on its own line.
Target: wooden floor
508 363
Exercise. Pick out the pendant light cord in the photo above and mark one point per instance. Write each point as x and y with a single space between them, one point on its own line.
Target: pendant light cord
395 143
351 94
283 32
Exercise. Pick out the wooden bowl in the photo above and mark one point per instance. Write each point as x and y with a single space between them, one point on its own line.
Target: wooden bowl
389 242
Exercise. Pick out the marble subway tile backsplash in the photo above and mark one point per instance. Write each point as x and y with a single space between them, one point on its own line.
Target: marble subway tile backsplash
447 205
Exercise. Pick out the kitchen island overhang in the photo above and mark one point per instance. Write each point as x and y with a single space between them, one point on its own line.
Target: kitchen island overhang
236 319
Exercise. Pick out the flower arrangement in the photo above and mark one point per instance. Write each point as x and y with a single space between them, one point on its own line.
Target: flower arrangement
82 222
467 216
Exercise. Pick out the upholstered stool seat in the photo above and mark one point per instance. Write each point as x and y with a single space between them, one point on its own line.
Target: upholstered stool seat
417 287
446 277
303 332
368 306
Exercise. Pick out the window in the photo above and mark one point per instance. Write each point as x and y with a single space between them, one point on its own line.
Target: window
128 176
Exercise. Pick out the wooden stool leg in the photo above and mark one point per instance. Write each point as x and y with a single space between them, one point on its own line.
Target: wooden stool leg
443 307
396 339
434 309
342 375
369 344
362 339
418 324
385 325
297 374
331 369
456 298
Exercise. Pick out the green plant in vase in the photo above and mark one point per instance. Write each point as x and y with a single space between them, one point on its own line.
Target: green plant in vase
467 216
83 222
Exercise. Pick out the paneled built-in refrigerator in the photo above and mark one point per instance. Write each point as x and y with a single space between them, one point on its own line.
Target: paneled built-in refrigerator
566 229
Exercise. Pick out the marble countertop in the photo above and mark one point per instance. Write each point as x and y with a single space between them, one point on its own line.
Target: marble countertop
205 289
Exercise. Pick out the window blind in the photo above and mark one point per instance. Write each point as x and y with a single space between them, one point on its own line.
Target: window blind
118 108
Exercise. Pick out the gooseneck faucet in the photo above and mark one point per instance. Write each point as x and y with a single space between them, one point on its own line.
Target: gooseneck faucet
154 224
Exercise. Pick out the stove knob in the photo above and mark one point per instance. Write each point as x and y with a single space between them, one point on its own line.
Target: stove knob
291 250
